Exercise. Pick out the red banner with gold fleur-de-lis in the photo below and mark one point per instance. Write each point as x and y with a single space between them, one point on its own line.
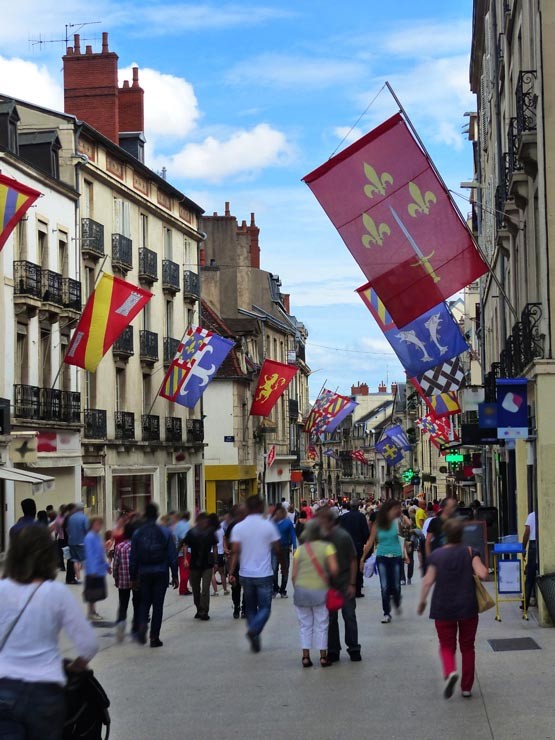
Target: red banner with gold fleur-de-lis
272 383
397 220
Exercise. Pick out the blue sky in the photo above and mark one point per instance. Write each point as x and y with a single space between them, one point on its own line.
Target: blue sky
244 99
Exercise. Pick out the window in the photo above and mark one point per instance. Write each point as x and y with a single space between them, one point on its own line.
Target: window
169 318
20 241
190 317
21 359
189 255
42 245
147 387
66 369
143 230
146 317
122 217
89 280
45 363
12 137
168 244
120 390
87 200
63 267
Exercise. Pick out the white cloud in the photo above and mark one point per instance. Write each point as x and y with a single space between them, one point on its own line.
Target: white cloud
283 70
429 38
347 134
171 18
164 92
243 153
30 82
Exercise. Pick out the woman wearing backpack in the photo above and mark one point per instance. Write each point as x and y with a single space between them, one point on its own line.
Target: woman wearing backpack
35 608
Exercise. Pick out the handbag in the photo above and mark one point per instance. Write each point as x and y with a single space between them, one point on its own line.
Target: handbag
483 597
370 566
334 598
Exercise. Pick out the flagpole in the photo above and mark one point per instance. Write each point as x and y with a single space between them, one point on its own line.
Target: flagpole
451 199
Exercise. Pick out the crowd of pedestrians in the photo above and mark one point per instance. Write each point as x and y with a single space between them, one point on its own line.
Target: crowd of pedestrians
322 549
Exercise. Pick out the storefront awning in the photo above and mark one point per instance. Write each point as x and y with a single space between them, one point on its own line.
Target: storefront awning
41 483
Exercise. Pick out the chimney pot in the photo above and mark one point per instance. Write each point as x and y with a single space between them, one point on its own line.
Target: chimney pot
126 83
227 212
77 43
135 77
69 51
243 225
252 220
88 49
104 42
215 213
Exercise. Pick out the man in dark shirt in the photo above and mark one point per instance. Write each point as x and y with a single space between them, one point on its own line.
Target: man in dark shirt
202 542
435 537
356 524
29 509
345 581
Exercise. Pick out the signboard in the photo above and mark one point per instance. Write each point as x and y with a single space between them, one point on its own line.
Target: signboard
271 456
23 447
454 457
509 576
512 408
229 438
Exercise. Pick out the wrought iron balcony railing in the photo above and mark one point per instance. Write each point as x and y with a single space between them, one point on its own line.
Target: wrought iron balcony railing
526 101
500 200
170 276
174 429
95 424
27 279
71 294
151 427
149 345
92 238
47 404
148 265
525 343
51 287
123 346
170 348
122 252
191 284
124 425
195 431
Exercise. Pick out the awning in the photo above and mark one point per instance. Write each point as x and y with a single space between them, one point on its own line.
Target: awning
40 483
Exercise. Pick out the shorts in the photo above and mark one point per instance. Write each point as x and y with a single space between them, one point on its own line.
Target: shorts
221 561
77 553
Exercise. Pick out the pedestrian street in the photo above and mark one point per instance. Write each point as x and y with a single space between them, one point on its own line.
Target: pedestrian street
206 684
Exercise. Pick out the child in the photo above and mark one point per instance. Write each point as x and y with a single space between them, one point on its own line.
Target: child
96 567
123 584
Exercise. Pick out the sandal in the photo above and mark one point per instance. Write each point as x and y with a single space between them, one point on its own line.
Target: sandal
325 662
307 663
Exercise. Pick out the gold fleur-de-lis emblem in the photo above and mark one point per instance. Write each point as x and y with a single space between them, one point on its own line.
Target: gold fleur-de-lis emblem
422 201
376 232
378 183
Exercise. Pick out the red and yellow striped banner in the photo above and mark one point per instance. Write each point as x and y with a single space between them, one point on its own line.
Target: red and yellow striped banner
15 201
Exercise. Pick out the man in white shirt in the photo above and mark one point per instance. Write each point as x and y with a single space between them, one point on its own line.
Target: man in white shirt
253 540
529 540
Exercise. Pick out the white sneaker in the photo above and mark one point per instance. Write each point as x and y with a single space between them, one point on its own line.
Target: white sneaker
467 694
386 619
450 683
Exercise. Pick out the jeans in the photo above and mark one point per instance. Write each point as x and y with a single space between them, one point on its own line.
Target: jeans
124 595
153 587
281 559
351 629
31 711
447 634
183 563
313 626
390 581
258 601
531 571
410 553
200 583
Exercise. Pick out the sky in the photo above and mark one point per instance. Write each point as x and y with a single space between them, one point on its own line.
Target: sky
244 99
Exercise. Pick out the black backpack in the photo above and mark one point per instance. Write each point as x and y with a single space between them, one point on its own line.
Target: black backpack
152 545
86 708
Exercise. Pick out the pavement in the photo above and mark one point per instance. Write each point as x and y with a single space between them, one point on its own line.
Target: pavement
206 684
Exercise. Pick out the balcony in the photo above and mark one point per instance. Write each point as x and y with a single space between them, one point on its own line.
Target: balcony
191 285
124 425
95 424
524 345
27 284
174 429
71 295
526 119
170 277
92 239
51 288
195 431
47 404
170 349
122 253
148 346
122 348
148 265
151 427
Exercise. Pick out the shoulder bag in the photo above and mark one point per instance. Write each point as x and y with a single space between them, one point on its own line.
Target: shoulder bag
334 598
483 597
16 620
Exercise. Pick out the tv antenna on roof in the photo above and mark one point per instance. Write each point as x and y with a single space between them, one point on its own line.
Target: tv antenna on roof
69 28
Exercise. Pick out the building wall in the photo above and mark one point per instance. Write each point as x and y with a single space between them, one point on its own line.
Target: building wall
219 407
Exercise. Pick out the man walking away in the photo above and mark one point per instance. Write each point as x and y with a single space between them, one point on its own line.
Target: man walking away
29 509
529 539
282 558
153 554
435 536
356 524
253 541
202 542
77 528
345 581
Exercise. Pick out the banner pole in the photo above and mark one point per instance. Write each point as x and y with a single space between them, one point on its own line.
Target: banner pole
452 200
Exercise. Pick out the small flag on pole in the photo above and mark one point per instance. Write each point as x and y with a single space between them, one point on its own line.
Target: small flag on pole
271 456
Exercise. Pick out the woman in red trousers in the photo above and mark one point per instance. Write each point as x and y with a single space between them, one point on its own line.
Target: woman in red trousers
454 607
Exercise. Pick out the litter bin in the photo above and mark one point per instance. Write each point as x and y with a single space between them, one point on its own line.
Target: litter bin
546 585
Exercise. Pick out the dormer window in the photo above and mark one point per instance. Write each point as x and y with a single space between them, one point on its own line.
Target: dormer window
9 119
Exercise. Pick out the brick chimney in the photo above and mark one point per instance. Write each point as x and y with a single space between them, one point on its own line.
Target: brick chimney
382 388
361 389
393 388
91 87
131 106
254 232
286 298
